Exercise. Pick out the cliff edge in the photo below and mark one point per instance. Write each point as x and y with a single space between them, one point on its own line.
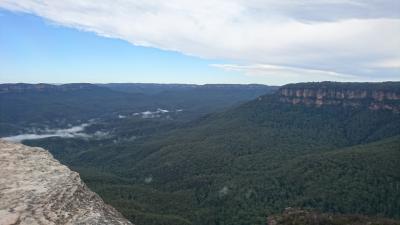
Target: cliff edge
294 216
375 96
37 189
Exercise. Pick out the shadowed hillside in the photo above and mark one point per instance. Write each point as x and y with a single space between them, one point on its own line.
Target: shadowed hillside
235 166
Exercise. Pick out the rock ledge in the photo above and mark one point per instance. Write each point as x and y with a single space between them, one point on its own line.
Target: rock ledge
37 189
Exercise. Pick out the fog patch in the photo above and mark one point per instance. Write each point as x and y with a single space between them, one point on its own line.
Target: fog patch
72 132
151 114
22 137
154 114
148 180
224 191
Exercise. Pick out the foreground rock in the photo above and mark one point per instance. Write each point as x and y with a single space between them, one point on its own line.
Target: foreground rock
36 189
293 216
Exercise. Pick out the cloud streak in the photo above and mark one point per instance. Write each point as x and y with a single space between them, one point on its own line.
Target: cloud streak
72 132
341 36
287 74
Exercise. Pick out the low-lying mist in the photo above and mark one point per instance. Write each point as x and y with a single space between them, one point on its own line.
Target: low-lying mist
72 132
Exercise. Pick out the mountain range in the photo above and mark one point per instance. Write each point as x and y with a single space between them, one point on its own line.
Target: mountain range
26 106
251 152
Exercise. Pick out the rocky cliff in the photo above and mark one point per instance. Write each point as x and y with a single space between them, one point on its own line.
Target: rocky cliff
294 216
375 96
36 189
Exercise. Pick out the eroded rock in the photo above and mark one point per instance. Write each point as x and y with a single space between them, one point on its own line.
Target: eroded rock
37 189
379 96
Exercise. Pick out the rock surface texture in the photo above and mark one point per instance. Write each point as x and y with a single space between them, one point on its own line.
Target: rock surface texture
293 216
384 96
36 189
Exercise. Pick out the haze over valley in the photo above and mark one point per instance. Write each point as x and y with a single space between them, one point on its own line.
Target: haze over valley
218 146
184 112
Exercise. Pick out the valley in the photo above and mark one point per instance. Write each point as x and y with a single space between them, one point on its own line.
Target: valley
185 112
199 162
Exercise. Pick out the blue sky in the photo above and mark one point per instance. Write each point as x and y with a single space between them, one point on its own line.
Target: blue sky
208 41
35 50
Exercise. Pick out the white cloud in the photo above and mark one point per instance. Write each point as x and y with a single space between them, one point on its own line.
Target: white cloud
393 63
344 36
72 132
152 114
286 74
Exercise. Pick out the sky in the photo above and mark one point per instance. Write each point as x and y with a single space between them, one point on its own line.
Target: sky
210 41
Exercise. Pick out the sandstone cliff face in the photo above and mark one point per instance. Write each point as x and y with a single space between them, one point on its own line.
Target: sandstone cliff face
294 216
373 99
36 189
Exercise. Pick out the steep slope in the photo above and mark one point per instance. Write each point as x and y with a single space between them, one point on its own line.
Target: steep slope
37 189
263 132
362 179
374 96
240 190
235 166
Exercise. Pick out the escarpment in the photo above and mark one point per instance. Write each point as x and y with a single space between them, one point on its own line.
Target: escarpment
379 96
295 216
36 189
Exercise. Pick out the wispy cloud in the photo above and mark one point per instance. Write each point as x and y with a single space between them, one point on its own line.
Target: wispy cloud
341 36
287 74
393 63
72 132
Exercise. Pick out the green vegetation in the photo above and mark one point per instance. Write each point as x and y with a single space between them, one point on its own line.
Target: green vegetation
243 164
24 106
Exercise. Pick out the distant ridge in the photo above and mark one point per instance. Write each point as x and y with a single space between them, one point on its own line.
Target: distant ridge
43 87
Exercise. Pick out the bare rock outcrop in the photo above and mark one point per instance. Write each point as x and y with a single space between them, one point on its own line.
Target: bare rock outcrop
37 189
375 96
295 216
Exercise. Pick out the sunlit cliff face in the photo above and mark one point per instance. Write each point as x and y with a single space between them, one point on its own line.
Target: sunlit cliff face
373 99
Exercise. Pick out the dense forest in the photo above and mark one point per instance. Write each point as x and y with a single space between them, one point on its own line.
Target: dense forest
39 106
239 165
